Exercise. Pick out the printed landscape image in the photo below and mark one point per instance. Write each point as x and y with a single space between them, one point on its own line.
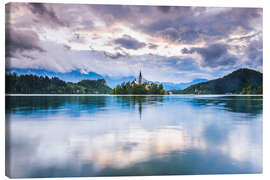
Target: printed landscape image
125 90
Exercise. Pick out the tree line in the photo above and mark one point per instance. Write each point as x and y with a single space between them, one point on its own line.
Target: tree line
33 84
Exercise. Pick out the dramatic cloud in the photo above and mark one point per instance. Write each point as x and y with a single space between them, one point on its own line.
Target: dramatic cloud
76 38
255 54
189 36
214 55
42 11
129 42
152 46
204 23
20 41
170 34
173 44
164 9
114 56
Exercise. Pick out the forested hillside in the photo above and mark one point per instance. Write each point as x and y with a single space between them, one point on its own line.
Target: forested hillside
32 84
241 81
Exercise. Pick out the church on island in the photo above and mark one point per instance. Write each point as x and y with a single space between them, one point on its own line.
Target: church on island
146 84
137 86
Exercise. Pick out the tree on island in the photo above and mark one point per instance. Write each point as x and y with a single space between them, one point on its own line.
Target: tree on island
139 88
129 88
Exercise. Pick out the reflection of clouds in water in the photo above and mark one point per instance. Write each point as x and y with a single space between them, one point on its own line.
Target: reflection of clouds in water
240 147
60 143
119 139
109 149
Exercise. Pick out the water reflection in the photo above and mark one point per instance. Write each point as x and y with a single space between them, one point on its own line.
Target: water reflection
125 135
241 104
138 101
29 104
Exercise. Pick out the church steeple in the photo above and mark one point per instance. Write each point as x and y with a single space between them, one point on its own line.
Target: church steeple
140 78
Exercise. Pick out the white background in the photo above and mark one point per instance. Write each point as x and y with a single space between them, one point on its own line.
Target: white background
210 3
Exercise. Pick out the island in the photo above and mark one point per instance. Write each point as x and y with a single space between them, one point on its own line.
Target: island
139 88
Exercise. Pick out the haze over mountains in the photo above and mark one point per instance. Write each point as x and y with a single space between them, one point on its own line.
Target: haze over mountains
76 76
172 86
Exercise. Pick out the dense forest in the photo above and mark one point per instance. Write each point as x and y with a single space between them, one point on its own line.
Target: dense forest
32 84
128 88
241 81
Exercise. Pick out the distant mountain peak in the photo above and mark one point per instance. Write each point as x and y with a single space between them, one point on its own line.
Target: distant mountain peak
180 86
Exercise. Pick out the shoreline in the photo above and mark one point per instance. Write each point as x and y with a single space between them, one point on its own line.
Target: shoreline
196 95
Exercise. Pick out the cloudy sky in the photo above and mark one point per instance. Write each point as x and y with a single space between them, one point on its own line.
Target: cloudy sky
169 44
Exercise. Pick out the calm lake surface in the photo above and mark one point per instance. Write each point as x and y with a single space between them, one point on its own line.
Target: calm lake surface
76 136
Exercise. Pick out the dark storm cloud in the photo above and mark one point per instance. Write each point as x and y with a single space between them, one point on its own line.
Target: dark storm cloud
129 42
164 9
208 27
189 36
186 64
225 22
21 41
39 8
114 56
214 55
177 10
46 14
158 26
116 13
77 38
67 47
152 46
186 51
254 49
255 53
170 34
173 30
28 57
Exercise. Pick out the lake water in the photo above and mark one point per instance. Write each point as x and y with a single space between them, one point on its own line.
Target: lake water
76 136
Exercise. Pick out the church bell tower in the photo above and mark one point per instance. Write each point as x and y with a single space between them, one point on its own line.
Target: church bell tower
140 78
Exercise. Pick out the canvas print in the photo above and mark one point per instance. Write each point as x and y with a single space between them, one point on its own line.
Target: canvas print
132 90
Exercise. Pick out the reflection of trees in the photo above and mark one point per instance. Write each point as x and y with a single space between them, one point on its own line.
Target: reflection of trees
34 103
132 101
29 104
241 104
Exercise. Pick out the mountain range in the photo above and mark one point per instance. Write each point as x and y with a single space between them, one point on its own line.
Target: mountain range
76 76
168 86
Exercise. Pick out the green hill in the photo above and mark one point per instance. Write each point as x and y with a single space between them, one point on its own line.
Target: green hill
32 84
241 81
